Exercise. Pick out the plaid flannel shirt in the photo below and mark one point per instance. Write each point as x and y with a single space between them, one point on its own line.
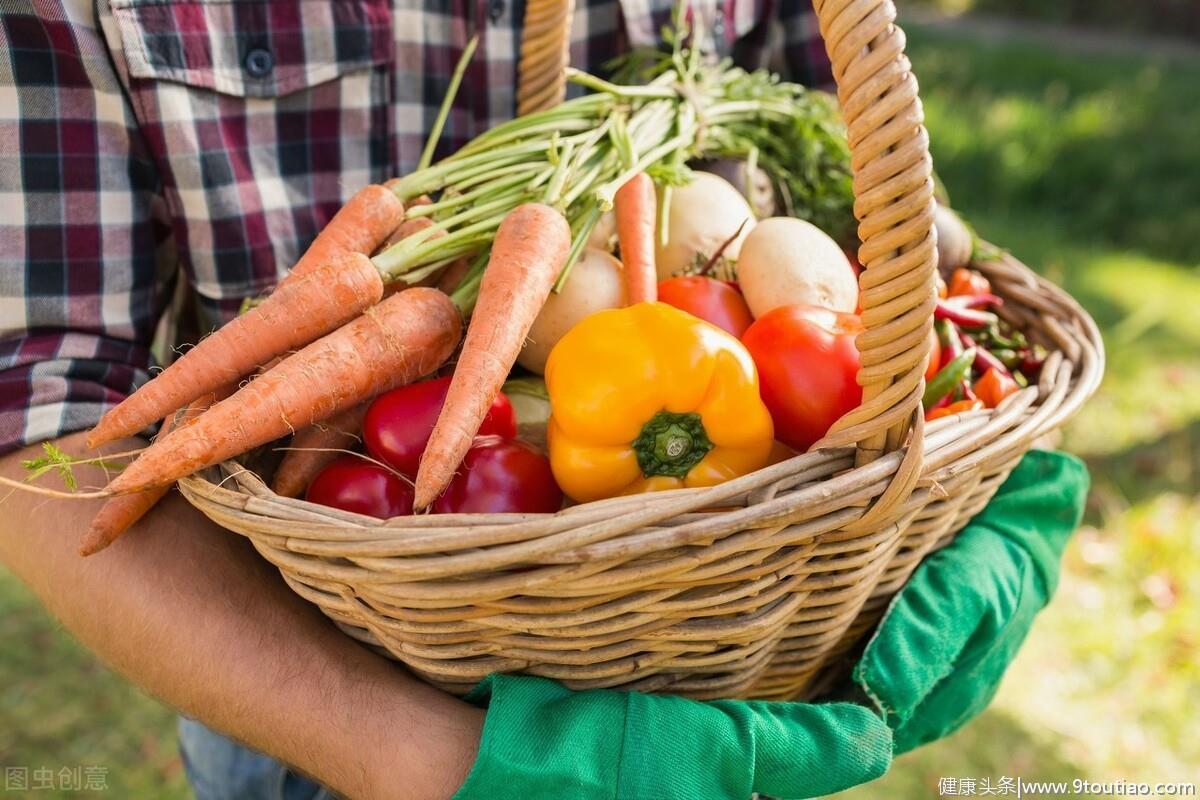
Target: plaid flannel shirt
150 148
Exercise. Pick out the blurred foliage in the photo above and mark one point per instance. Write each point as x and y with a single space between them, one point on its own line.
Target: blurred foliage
1085 168
1102 148
1169 17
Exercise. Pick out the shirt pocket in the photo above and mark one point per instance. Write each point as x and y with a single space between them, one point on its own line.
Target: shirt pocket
252 48
263 117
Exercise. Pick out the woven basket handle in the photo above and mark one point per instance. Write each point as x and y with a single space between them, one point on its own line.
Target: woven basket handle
893 190
545 53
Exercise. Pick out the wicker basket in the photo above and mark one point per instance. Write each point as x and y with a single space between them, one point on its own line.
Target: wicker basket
767 596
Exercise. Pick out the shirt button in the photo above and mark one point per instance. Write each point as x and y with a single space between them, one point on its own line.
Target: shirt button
259 62
496 10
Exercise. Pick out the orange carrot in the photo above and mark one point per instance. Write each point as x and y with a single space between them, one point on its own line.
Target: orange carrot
635 206
406 336
119 514
414 225
407 228
293 315
358 227
449 279
528 253
419 200
313 448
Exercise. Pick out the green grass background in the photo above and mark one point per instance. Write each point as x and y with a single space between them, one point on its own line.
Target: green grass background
1088 168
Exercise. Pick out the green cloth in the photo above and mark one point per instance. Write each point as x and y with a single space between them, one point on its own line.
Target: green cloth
934 663
541 740
948 637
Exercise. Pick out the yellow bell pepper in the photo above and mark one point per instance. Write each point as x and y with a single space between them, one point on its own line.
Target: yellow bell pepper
649 397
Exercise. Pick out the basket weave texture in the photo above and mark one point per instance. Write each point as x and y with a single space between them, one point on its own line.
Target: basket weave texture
766 596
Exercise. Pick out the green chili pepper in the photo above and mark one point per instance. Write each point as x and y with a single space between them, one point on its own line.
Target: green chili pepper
948 377
1009 357
1004 337
945 332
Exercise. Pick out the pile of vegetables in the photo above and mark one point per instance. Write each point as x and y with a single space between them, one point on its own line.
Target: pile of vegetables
684 341
978 359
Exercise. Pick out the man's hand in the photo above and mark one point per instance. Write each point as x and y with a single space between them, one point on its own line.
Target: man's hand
189 612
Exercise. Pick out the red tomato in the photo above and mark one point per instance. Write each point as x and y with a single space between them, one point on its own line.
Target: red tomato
935 358
500 476
353 484
807 362
709 299
398 424
852 257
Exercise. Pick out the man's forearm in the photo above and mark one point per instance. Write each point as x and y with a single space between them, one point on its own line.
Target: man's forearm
190 613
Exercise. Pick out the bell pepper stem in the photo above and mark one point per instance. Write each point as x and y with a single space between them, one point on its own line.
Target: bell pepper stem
671 444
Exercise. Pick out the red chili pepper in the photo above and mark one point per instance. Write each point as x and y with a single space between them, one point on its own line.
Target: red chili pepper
947 333
1031 363
984 360
964 317
945 401
981 300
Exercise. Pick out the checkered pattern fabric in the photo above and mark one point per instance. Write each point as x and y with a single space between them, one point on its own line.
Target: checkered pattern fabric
151 150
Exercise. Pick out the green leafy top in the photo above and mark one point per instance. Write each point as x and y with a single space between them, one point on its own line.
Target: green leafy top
63 463
804 152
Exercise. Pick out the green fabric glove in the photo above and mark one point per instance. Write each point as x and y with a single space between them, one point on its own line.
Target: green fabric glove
933 664
950 634
541 740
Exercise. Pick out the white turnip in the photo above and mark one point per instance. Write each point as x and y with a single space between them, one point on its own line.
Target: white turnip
604 235
704 215
954 242
595 283
786 261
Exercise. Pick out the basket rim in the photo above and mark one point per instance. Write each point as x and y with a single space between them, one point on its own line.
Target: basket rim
952 445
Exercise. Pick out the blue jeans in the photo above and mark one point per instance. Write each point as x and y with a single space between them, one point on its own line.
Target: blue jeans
221 769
